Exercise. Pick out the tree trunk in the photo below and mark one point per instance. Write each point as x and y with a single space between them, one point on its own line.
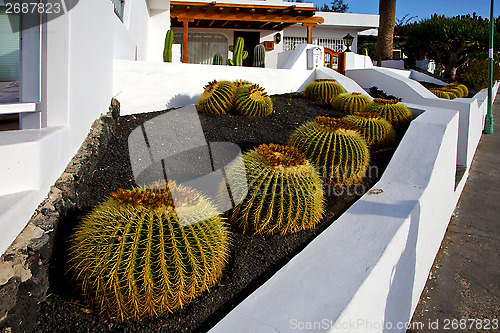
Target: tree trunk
450 70
387 20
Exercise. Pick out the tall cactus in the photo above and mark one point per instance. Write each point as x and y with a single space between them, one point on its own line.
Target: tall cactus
218 59
167 50
259 55
134 256
238 53
336 147
285 194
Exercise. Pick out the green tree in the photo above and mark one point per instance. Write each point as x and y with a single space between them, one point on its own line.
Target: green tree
387 20
337 6
450 41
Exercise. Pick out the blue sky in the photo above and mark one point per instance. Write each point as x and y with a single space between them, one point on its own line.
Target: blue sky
422 8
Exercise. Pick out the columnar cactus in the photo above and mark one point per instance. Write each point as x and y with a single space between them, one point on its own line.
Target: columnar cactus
259 55
336 147
252 101
136 256
285 194
218 59
397 114
238 53
217 98
350 103
376 131
167 50
323 90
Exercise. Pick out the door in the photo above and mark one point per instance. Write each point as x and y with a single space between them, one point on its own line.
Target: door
251 38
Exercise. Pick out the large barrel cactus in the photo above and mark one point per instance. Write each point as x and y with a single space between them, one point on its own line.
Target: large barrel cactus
323 90
394 112
285 194
259 55
135 256
336 147
252 101
350 103
217 98
376 131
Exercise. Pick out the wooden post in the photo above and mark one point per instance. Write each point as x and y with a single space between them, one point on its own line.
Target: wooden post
185 41
309 31
341 63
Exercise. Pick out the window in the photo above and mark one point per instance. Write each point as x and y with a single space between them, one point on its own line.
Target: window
290 43
9 47
203 46
119 6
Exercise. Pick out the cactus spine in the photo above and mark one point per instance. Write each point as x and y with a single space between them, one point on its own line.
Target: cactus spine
134 257
335 147
167 50
285 193
259 54
238 53
252 101
397 114
376 131
218 59
217 98
323 90
350 103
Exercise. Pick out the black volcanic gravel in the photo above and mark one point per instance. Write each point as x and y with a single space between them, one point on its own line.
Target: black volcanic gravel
254 259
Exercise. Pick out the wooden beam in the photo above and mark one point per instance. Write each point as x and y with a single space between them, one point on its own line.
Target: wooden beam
232 5
225 16
211 23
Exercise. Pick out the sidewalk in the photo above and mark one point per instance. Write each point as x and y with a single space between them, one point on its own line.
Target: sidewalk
464 282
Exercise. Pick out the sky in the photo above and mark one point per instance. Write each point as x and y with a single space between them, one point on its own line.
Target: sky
422 8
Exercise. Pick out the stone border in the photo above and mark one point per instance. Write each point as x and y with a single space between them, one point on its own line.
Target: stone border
24 267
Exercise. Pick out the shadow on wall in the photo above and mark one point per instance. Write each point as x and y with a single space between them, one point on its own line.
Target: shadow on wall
399 300
309 79
181 100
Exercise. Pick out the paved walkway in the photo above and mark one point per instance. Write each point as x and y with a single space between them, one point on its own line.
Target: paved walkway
465 280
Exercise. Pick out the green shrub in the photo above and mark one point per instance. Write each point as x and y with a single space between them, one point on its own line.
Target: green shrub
285 194
336 147
136 256
475 73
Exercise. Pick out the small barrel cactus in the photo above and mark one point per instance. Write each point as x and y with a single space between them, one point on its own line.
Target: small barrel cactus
136 256
376 131
463 88
259 55
323 90
218 59
452 93
336 147
350 103
252 101
167 49
285 194
217 98
440 93
397 114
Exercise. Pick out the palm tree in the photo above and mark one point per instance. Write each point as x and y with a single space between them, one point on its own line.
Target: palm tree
387 20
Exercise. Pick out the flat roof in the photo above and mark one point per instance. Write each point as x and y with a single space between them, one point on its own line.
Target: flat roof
365 21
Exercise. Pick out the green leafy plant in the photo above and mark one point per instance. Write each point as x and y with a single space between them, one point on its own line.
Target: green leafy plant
475 73
397 114
218 59
252 101
259 56
167 49
323 90
217 98
238 53
350 102
135 256
376 131
285 193
336 147
368 49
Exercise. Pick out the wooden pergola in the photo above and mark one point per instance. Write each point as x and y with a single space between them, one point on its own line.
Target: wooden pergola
240 16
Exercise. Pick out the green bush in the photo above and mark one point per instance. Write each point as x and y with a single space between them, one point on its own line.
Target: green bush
475 73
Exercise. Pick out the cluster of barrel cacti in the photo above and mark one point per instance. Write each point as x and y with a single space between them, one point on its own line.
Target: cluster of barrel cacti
285 194
138 256
323 90
238 97
451 91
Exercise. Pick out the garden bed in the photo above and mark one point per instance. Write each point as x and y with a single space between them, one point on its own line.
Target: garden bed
253 259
